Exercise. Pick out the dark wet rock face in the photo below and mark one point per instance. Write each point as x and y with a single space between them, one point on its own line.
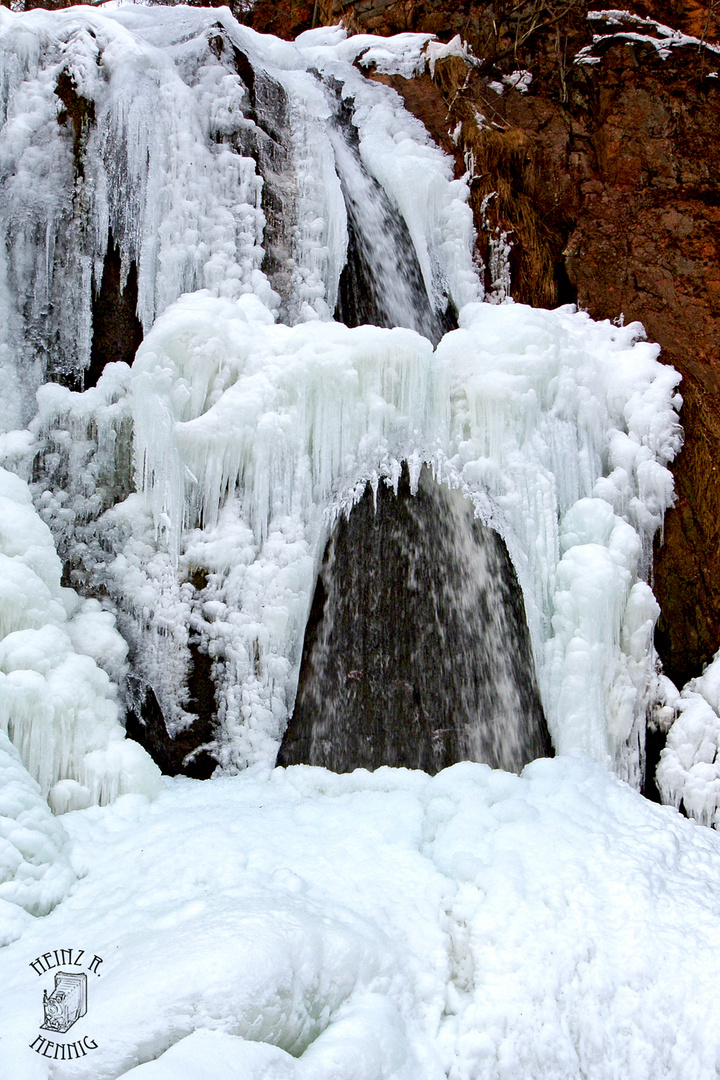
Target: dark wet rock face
417 650
117 331
185 752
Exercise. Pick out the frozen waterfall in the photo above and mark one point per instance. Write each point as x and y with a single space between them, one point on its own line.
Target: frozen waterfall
249 207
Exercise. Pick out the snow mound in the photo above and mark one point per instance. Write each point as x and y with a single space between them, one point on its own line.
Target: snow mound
386 926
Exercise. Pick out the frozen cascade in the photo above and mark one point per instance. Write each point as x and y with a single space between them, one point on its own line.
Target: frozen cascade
555 428
188 540
241 181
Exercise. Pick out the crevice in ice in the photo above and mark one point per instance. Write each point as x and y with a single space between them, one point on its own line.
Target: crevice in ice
250 438
79 111
116 330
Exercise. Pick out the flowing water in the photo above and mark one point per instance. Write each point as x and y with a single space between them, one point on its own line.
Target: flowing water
416 652
381 282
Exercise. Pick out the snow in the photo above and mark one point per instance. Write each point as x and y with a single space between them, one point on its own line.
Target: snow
300 924
402 54
436 50
662 38
519 80
405 54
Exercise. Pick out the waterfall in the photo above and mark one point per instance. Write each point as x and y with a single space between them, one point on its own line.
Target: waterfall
298 257
381 282
417 650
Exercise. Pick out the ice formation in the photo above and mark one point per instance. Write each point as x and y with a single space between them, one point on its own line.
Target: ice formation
622 25
555 427
57 705
35 874
193 494
689 769
293 923
165 134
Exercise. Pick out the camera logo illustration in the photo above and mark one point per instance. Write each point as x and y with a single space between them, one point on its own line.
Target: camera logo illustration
65 1003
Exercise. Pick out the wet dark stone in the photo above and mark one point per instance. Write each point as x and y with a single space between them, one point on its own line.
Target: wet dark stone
80 111
360 303
183 753
117 331
655 740
417 650
381 283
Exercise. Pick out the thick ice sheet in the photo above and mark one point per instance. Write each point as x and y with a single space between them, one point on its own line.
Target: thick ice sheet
393 925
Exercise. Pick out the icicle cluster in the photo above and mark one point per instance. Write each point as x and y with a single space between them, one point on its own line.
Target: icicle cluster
143 124
689 769
35 873
557 428
57 705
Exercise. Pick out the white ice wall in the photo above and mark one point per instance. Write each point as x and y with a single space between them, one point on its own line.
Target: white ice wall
250 437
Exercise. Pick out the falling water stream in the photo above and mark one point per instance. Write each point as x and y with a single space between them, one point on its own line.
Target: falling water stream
416 652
